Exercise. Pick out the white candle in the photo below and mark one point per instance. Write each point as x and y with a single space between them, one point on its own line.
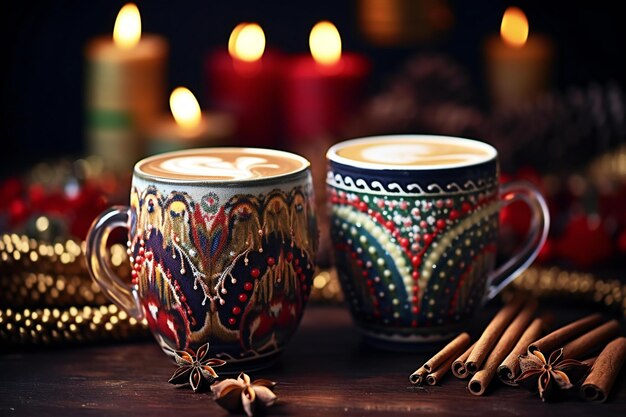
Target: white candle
519 64
125 90
188 127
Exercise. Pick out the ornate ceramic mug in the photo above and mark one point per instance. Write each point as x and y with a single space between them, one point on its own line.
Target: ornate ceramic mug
414 223
222 243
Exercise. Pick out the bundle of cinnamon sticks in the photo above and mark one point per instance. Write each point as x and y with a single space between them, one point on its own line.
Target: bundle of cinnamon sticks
515 331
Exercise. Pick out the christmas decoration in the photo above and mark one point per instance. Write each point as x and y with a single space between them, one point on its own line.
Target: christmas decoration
57 200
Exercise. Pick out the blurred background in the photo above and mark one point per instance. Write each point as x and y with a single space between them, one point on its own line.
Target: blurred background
76 112
43 75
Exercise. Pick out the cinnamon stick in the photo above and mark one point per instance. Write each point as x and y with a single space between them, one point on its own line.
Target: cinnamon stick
590 361
481 379
458 344
492 333
438 373
509 368
599 382
419 376
458 366
560 336
591 340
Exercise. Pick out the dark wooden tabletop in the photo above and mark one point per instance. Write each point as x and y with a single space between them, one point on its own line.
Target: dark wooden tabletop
325 370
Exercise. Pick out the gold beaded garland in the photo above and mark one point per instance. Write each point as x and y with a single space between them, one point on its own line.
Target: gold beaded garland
48 297
48 326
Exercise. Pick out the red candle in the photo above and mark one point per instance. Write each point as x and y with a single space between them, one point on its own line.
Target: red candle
245 81
323 90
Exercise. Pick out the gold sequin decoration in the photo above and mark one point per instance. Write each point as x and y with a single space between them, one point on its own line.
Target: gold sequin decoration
48 297
51 326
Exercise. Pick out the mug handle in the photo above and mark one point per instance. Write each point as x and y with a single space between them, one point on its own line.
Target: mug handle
537 235
99 265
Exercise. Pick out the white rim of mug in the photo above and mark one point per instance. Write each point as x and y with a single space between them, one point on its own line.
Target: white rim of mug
333 156
306 164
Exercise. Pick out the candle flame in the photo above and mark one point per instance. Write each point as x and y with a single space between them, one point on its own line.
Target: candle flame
185 108
514 28
127 29
247 42
232 41
325 43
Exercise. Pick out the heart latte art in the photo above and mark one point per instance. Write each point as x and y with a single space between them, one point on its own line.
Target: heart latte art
222 164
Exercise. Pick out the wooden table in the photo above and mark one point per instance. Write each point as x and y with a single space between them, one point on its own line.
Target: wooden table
326 370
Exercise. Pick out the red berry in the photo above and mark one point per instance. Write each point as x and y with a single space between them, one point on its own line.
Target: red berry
247 286
585 242
243 298
18 212
255 272
441 224
271 261
454 214
236 311
232 321
621 241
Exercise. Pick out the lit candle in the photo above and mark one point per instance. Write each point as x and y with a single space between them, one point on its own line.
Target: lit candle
519 64
325 88
244 81
187 126
125 90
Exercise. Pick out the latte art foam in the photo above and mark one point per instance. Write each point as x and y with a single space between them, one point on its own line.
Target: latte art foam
243 167
417 151
221 164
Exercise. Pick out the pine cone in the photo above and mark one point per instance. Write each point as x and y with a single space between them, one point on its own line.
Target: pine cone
430 94
560 131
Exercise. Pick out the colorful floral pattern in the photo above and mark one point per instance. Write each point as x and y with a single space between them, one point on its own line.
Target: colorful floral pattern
235 273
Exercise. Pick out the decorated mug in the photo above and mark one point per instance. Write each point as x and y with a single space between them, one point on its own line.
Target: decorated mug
222 244
414 224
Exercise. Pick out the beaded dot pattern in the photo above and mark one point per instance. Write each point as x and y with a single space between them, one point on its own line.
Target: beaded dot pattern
408 263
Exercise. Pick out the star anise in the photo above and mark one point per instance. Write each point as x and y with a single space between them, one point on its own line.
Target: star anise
549 376
197 370
237 395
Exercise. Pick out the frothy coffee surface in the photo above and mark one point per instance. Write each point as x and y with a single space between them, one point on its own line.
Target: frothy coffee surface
221 164
414 151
